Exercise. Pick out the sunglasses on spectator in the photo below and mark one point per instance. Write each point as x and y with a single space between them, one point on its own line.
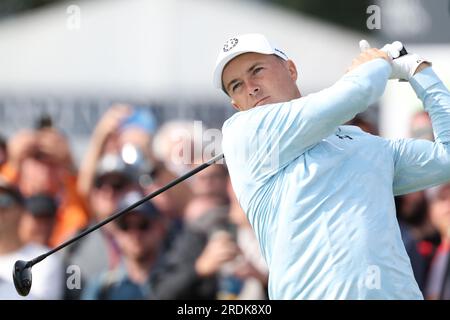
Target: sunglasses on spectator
6 201
142 225
116 185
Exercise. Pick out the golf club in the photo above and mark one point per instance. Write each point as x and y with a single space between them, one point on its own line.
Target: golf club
22 269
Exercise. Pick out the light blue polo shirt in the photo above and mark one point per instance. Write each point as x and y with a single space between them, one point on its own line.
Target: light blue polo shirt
320 195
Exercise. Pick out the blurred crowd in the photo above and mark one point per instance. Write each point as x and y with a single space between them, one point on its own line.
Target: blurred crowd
190 242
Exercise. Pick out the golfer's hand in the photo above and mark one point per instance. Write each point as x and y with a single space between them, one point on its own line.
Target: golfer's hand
403 67
366 56
220 249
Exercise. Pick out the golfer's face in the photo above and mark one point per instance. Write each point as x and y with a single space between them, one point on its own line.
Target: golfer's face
254 79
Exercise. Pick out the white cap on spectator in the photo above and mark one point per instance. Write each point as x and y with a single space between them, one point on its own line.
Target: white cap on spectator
251 42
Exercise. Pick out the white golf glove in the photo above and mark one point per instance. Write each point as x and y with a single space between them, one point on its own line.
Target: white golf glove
404 67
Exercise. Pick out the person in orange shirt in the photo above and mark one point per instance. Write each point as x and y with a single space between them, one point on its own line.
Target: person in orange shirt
40 161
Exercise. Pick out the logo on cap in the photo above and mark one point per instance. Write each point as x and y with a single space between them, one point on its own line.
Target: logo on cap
278 50
230 44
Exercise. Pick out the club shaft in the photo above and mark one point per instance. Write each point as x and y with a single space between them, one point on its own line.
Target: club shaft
131 207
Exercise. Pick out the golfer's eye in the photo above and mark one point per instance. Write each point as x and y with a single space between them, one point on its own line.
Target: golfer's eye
236 86
258 69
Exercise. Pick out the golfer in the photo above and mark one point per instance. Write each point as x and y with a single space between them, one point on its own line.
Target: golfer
320 194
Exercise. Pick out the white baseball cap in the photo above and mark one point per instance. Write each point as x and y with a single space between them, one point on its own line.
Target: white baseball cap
251 42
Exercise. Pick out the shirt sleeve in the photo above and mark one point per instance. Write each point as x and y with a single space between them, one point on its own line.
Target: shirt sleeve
262 140
420 164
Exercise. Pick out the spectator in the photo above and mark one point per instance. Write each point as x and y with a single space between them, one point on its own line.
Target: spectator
418 234
49 284
191 268
172 202
140 235
211 181
412 213
178 144
40 162
123 125
99 251
119 126
20 146
39 219
438 283
216 257
103 141
138 129
201 205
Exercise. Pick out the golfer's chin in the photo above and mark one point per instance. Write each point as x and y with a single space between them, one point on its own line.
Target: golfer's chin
262 101
270 100
254 104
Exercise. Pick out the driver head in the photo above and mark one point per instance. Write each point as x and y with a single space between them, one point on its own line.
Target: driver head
22 277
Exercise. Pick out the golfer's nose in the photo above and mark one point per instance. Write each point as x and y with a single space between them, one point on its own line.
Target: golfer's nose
253 89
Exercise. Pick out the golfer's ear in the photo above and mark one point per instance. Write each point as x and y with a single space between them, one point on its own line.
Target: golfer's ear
292 69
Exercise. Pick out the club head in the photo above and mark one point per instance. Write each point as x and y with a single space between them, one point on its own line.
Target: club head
22 277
